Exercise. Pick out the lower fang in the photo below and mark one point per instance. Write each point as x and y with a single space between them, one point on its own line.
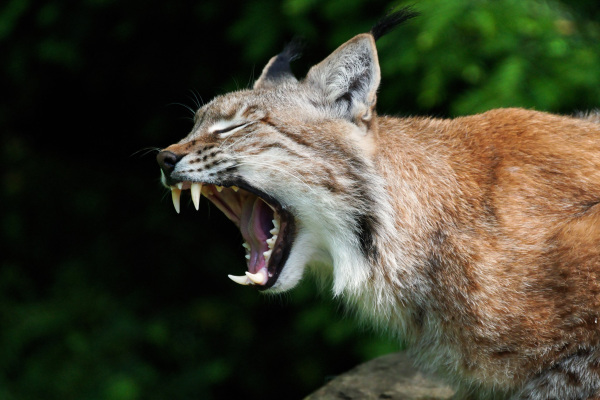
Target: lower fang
242 280
260 278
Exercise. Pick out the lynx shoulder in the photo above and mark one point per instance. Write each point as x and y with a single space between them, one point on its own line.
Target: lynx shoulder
476 239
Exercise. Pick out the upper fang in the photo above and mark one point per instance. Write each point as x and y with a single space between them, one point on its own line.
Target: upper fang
196 188
176 197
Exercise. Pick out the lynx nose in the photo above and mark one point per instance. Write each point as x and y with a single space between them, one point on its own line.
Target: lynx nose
167 161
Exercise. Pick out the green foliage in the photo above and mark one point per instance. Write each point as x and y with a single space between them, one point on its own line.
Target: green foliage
105 293
499 54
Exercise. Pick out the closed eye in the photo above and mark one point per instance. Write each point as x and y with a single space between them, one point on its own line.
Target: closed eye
229 128
224 131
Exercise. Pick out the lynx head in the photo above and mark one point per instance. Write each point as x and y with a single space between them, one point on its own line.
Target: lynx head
289 163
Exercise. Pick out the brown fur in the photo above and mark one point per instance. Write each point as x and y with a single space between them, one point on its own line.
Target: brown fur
477 239
515 226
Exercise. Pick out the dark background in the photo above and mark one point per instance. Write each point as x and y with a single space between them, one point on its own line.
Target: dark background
107 293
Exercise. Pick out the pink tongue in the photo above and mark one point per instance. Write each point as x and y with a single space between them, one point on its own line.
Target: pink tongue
255 223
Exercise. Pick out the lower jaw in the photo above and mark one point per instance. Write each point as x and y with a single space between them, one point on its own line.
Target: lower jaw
265 277
277 260
281 252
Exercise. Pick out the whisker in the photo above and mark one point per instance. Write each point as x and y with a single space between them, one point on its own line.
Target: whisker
190 109
237 84
197 99
146 151
252 79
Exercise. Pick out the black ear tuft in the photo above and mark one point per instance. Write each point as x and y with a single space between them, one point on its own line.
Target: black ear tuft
281 64
391 21
293 50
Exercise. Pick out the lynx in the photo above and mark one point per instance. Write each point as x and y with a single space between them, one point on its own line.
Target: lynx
475 239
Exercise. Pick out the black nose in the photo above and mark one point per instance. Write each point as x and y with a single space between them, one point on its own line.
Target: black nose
167 161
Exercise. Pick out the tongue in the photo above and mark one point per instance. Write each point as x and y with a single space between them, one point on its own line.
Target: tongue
255 224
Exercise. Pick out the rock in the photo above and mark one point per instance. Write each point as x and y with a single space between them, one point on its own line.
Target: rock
389 377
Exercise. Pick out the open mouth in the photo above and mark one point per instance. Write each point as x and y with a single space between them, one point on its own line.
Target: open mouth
267 228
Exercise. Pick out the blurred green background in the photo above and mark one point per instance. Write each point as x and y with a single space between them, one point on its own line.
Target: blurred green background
107 293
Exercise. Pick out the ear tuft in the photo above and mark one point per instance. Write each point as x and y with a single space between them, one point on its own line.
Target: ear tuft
391 21
278 68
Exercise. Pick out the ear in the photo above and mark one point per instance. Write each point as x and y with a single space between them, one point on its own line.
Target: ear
277 70
348 79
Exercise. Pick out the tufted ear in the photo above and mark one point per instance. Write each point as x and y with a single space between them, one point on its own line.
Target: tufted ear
347 80
277 70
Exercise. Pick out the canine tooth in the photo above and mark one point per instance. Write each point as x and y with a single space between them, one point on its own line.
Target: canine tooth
260 278
235 188
176 196
242 280
196 189
219 188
